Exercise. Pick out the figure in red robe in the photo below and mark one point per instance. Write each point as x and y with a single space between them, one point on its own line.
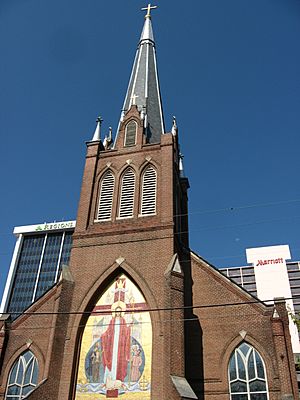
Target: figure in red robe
116 348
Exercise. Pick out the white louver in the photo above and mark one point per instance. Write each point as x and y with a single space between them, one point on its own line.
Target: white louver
127 194
106 197
130 137
148 206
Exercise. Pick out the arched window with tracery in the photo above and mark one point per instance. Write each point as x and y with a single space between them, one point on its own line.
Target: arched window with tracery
148 198
126 205
23 377
130 134
247 374
107 184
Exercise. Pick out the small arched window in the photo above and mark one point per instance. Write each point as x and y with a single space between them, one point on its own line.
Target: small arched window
106 196
127 194
23 377
247 375
148 199
130 134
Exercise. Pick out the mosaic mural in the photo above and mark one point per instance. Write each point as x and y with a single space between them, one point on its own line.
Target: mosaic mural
115 355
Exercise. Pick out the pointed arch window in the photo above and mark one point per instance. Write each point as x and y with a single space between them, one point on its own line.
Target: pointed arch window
148 199
247 374
116 346
106 197
22 377
127 194
130 134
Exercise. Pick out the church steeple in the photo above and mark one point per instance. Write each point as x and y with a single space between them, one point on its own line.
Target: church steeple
143 89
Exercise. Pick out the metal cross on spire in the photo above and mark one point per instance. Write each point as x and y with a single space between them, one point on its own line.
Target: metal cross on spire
148 8
99 119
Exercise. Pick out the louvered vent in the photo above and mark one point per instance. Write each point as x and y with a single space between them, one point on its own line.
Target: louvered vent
106 197
148 206
130 135
127 194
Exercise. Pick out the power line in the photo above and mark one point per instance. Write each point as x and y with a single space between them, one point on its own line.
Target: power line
223 227
192 307
192 319
248 206
229 209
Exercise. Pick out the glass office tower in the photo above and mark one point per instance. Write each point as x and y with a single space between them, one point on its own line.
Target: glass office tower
39 254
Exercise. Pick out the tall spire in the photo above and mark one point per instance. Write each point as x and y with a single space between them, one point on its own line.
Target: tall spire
143 89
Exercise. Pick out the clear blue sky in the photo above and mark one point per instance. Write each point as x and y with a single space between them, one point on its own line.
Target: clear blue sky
229 71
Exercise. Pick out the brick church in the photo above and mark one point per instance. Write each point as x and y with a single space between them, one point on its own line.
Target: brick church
136 314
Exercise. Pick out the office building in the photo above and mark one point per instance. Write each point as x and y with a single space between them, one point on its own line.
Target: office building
40 251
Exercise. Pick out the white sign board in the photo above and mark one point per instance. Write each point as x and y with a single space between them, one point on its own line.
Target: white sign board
272 279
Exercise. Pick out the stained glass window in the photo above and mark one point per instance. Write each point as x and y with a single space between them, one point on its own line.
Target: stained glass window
23 377
130 134
247 375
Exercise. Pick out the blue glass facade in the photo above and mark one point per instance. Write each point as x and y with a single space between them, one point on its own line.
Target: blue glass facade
26 273
38 267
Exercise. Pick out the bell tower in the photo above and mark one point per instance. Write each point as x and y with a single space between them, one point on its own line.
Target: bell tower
132 230
136 182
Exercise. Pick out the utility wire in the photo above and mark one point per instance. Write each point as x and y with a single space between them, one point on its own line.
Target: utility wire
192 307
229 208
223 227
236 208
192 319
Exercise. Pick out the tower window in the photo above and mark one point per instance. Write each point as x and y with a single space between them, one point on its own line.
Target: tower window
246 374
106 196
127 194
130 134
23 377
148 201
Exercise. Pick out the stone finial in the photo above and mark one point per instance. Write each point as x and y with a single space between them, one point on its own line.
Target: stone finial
174 127
108 139
97 133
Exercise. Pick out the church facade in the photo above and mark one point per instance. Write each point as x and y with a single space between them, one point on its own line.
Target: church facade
137 314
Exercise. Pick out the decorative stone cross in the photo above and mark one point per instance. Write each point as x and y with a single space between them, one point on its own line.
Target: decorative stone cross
133 99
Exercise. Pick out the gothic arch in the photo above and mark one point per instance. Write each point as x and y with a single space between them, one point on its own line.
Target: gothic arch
125 167
97 331
37 353
127 119
119 176
146 163
107 201
103 280
100 174
130 137
127 193
270 363
150 194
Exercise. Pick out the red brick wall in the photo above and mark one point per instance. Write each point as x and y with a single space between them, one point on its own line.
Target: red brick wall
219 334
